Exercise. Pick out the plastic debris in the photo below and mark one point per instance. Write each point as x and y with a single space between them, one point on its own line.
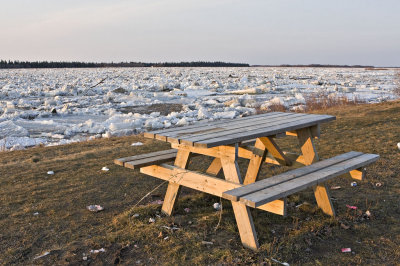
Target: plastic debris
105 169
379 184
217 206
187 210
165 238
152 220
353 184
135 215
336 187
94 208
36 213
95 251
398 145
368 213
41 256
281 263
159 202
137 144
207 243
84 258
351 207
346 250
170 228
50 172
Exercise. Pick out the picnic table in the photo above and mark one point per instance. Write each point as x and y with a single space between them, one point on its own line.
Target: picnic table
252 138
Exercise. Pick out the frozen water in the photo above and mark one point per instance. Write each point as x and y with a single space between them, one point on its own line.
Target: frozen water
59 106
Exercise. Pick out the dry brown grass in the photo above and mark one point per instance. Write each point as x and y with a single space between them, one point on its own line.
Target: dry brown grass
323 101
306 236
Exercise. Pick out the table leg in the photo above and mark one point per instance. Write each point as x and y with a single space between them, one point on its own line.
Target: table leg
214 167
181 160
255 163
310 155
242 213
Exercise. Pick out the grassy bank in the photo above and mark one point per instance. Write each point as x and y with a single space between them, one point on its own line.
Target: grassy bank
47 213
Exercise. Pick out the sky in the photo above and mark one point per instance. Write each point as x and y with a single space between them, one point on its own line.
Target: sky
364 32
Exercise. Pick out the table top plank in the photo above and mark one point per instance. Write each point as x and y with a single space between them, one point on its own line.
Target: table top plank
164 132
225 132
256 132
242 127
213 127
230 127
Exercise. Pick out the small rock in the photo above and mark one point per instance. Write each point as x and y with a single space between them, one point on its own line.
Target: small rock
398 145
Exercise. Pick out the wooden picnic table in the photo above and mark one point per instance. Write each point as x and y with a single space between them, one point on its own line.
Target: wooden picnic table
252 138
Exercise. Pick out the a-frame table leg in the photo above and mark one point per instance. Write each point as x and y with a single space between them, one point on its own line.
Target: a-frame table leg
181 160
255 163
242 213
214 167
309 152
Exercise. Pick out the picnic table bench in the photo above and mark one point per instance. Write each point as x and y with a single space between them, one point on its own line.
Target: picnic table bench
252 138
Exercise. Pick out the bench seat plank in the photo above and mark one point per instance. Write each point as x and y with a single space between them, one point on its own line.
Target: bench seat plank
294 185
146 159
265 183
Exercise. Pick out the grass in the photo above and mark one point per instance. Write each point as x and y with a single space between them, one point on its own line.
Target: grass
68 231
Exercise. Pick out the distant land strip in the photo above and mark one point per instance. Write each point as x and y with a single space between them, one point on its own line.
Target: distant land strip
54 64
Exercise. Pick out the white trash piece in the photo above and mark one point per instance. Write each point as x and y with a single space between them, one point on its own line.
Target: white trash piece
137 143
41 256
217 206
398 145
95 251
105 169
94 208
50 172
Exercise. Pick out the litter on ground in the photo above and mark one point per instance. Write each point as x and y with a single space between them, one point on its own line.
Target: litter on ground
50 172
95 251
217 206
41 256
95 208
105 169
351 207
137 144
346 250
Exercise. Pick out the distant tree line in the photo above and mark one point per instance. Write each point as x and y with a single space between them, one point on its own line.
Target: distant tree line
315 65
52 64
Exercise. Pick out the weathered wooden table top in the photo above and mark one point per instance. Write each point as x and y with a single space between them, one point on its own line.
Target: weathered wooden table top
225 132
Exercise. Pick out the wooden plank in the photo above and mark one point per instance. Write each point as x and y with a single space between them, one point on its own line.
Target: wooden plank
275 151
243 217
251 134
307 145
358 174
215 167
151 160
121 161
277 179
241 127
175 137
204 183
215 151
294 185
201 124
255 163
322 196
315 132
182 160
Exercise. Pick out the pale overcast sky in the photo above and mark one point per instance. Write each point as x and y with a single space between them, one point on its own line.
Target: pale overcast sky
363 32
